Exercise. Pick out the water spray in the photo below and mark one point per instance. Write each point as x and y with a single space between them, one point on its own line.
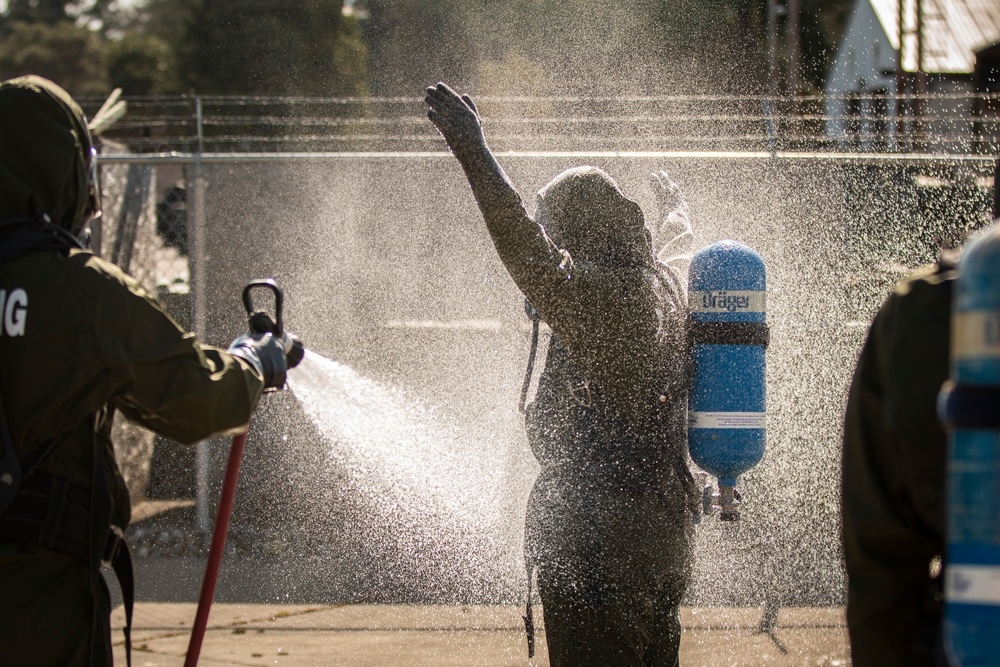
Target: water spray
260 323
727 337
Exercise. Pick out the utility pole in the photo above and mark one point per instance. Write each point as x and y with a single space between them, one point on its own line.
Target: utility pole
909 17
199 290
921 74
920 105
794 46
772 48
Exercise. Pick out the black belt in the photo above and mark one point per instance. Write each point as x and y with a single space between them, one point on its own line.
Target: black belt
728 333
968 406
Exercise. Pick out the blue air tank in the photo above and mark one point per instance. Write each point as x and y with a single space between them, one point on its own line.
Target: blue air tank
970 408
727 337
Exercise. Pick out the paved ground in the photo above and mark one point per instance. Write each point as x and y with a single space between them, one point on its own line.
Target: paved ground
418 636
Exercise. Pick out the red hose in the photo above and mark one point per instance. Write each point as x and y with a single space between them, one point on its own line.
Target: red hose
215 551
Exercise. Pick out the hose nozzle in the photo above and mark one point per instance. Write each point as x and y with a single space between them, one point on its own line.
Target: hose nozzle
260 321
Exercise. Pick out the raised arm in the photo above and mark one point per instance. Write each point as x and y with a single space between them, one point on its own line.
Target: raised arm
522 246
604 316
673 239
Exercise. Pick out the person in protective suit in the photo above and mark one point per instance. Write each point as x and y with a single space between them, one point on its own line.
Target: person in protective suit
610 517
894 456
80 339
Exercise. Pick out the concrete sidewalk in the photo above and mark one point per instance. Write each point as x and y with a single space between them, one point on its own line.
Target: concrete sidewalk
424 635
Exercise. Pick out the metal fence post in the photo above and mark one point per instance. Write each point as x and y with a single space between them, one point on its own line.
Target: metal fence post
196 239
996 189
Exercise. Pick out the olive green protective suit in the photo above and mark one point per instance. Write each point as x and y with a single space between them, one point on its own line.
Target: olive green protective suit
894 475
86 339
609 524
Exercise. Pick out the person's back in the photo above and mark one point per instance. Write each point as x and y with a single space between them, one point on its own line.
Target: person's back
80 340
893 476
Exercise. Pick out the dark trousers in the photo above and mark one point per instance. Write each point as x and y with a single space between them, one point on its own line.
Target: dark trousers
612 568
50 611
610 634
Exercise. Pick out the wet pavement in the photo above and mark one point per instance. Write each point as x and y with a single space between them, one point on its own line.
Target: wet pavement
424 635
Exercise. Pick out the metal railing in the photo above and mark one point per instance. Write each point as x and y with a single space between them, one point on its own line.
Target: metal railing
870 123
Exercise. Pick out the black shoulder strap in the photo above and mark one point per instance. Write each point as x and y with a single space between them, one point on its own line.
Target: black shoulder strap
529 617
108 545
23 235
10 464
533 314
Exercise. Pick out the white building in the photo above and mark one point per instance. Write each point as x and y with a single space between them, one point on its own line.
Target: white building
860 107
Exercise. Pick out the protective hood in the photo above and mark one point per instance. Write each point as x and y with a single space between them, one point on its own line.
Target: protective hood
45 155
585 212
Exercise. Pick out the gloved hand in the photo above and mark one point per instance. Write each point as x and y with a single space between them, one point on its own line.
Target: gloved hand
455 117
668 194
673 226
267 353
294 350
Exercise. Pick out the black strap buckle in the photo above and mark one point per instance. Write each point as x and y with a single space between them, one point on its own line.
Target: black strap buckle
581 393
114 544
529 617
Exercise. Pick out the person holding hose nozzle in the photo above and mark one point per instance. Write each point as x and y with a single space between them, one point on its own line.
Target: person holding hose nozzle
79 340
610 518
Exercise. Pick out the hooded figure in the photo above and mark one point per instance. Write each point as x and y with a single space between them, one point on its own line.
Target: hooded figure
610 518
49 167
584 211
80 340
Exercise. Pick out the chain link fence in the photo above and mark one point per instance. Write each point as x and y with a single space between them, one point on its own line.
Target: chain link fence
138 231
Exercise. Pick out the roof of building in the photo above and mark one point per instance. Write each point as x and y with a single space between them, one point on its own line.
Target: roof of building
953 31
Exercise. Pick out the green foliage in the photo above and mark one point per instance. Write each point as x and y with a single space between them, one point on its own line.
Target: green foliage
273 47
49 12
350 58
580 46
395 47
414 43
141 64
67 54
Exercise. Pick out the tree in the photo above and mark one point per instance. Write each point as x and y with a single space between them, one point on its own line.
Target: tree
49 12
67 54
587 46
578 46
141 64
416 42
271 47
350 61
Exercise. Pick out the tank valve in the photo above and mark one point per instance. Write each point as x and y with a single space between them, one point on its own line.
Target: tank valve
726 502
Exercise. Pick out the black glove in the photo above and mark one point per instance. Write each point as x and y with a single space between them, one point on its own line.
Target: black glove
294 350
266 353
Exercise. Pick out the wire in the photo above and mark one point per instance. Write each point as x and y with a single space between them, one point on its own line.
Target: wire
845 123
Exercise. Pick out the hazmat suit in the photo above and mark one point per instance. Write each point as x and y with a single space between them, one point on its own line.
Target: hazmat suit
79 340
894 475
610 517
